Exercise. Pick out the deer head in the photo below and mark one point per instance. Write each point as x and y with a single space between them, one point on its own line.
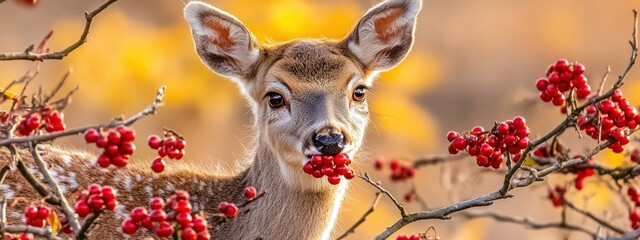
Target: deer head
307 96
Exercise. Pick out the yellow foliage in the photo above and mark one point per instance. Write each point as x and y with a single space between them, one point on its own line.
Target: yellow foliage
612 159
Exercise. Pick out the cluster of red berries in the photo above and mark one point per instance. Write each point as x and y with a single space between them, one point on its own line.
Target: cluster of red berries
399 171
36 216
331 166
615 116
635 155
556 195
634 215
583 171
169 146
488 147
417 237
24 236
94 199
562 77
409 237
117 144
53 121
192 226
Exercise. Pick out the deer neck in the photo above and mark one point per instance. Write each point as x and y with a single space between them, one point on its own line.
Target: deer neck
288 210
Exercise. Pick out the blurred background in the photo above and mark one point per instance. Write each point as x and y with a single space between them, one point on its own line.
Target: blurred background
473 63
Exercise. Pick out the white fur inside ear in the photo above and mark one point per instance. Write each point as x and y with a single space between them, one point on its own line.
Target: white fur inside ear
371 42
220 33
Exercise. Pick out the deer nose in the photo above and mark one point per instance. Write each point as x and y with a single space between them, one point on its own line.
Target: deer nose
329 143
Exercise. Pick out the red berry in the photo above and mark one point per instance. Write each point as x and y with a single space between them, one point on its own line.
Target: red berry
378 164
104 161
154 141
138 213
334 180
147 223
541 84
108 194
340 159
102 142
452 135
182 195
394 164
204 235
129 227
43 212
180 144
222 206
158 215
199 224
459 143
156 203
95 202
231 211
91 135
31 211
183 218
250 192
94 189
477 130
578 69
82 208
119 161
164 229
183 206
316 160
158 165
188 234
110 204
27 236
127 135
113 137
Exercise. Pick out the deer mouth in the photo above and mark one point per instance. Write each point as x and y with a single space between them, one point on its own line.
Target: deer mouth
334 167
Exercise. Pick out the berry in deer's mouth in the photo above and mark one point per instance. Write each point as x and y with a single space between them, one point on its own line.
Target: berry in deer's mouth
331 166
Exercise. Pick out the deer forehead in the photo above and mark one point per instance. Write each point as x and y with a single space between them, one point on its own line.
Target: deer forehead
304 65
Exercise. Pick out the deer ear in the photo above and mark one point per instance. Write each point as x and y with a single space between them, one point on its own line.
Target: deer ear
222 41
384 36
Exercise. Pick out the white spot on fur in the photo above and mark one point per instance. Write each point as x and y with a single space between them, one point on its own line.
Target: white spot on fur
149 191
126 183
73 181
169 187
67 160
120 212
6 189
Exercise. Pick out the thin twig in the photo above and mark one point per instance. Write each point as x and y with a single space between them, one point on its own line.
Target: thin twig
55 189
595 218
41 232
32 56
86 226
363 218
529 223
403 211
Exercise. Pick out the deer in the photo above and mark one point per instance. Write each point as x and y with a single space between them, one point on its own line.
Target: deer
307 97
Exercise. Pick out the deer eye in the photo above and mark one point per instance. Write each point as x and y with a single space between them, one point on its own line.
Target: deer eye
275 100
358 93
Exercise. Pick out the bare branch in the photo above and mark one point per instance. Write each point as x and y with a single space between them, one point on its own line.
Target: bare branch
41 232
86 226
34 56
529 223
150 110
55 189
403 212
595 218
